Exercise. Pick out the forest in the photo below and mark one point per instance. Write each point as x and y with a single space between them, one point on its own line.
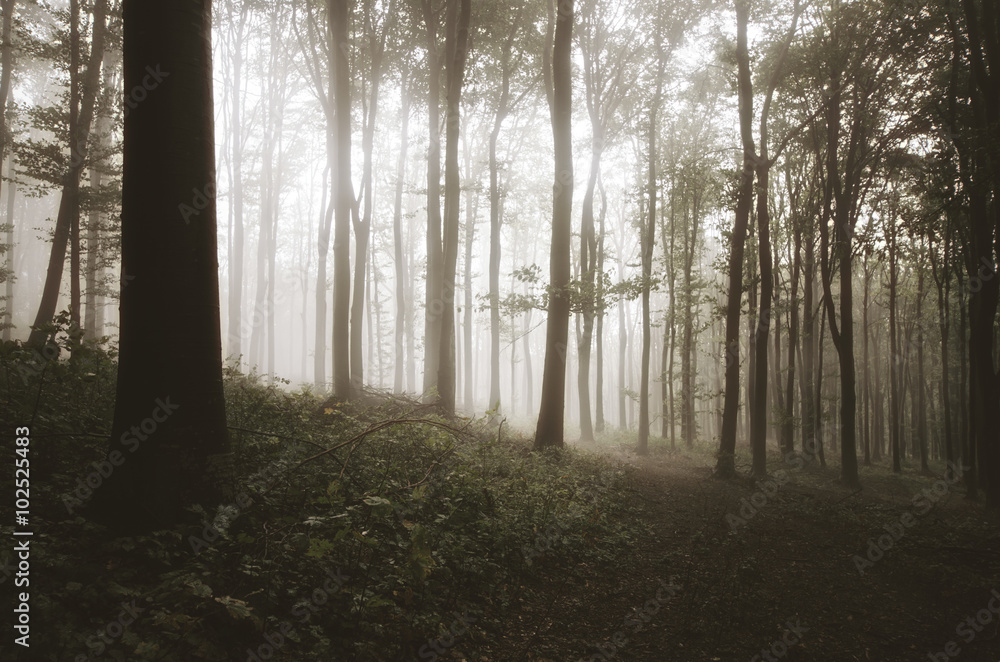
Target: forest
536 330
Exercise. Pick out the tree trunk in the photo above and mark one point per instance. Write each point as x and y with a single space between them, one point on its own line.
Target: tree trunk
647 240
433 307
235 332
471 204
599 400
402 269
788 416
725 466
170 408
8 315
6 69
942 281
95 260
343 199
588 255
894 357
549 430
459 17
68 216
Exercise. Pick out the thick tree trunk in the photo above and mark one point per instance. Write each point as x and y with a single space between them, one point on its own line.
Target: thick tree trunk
170 421
549 430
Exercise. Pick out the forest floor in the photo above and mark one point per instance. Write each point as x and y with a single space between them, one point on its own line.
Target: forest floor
799 577
590 554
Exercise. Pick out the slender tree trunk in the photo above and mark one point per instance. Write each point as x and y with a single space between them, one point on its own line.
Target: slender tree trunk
867 372
648 239
343 199
471 202
235 333
599 400
725 466
459 17
8 315
402 268
6 69
919 403
942 281
68 215
495 223
549 430
788 417
894 357
433 307
588 255
688 427
95 269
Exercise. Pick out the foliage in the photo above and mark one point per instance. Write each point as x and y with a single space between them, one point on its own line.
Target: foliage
420 520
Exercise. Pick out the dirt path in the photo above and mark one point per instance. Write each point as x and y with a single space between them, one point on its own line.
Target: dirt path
787 580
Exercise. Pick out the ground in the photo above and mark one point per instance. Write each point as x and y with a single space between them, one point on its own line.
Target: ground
800 562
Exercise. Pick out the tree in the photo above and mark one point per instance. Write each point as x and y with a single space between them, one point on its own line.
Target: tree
343 197
456 47
549 429
647 229
81 114
170 420
435 267
606 65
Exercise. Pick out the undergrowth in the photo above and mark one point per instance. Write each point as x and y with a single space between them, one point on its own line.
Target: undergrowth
411 540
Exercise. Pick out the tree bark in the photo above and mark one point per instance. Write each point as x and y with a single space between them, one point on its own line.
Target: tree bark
725 465
459 17
433 307
343 199
402 268
169 408
68 216
549 429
